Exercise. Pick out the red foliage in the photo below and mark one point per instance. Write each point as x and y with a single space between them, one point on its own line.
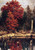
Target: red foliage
15 11
15 8
11 22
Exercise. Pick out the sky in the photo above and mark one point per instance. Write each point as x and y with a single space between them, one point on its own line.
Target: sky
24 3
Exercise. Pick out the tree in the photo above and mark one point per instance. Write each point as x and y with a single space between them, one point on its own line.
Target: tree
28 21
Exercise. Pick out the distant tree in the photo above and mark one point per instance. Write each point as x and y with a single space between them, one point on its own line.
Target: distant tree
28 21
34 17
